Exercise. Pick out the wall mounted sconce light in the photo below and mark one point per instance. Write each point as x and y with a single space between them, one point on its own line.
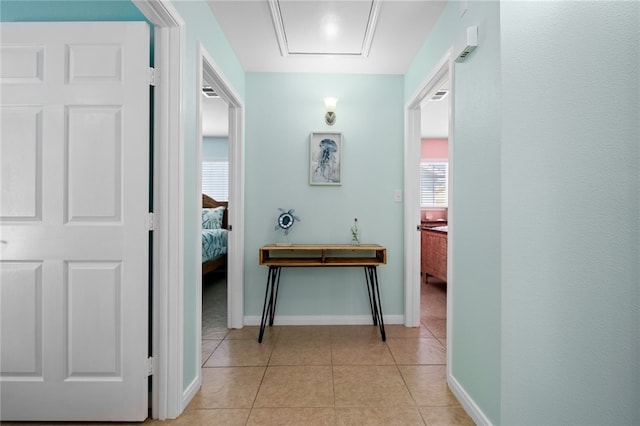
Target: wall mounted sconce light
330 107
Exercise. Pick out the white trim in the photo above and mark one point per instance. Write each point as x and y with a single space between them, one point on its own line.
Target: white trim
235 269
324 319
200 65
412 188
278 27
451 224
235 263
371 28
281 37
191 390
412 218
412 150
469 405
208 72
168 270
443 70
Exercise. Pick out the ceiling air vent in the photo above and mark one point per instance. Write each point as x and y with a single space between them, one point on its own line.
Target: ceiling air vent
439 95
209 92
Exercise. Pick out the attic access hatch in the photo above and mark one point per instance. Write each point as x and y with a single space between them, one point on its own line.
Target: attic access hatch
325 27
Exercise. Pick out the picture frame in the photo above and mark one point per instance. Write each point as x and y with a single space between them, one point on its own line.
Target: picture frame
325 158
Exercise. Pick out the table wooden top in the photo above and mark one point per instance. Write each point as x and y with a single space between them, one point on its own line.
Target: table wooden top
301 255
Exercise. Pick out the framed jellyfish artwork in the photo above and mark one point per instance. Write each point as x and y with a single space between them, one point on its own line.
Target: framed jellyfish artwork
325 158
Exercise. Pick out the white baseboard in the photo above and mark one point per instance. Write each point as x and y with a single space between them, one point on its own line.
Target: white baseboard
467 402
324 319
191 391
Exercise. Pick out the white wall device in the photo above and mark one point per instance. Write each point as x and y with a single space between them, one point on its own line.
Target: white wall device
468 44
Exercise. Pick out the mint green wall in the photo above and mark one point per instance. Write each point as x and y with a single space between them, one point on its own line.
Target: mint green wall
215 147
201 26
546 320
571 213
282 110
476 339
476 183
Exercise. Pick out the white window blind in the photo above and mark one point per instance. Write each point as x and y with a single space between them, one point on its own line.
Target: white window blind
434 181
215 179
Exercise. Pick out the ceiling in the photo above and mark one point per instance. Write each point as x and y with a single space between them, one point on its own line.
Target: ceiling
326 36
323 36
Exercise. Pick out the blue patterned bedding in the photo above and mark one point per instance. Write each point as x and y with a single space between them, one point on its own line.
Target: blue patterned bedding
214 243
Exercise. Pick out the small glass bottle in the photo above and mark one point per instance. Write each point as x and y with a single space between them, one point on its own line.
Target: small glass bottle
355 233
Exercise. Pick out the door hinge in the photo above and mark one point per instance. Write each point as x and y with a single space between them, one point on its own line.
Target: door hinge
152 77
152 218
150 366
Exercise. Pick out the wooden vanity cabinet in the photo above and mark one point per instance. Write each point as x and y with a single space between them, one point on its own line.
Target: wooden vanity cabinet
433 253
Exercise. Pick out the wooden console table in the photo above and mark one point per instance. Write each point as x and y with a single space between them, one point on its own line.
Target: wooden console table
276 257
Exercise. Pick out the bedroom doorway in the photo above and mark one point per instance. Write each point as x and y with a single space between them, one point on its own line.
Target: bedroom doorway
441 77
226 273
215 193
434 203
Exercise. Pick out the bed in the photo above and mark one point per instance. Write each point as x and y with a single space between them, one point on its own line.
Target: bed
214 234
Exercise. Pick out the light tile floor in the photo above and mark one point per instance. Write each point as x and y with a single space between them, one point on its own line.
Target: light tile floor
323 375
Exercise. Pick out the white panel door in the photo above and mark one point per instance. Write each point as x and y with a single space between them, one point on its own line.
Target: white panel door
73 210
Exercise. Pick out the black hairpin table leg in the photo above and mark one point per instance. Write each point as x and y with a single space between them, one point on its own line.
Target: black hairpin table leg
371 276
372 303
270 298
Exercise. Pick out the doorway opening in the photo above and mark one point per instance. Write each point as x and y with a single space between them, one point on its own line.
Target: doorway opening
434 202
421 114
215 208
231 221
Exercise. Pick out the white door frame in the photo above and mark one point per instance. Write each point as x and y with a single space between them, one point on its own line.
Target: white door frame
208 71
443 70
168 200
168 397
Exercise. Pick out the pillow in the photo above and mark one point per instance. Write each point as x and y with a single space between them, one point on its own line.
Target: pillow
212 218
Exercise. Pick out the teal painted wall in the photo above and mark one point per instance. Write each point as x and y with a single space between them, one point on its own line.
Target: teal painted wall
476 338
571 213
546 318
215 147
282 111
476 182
69 10
201 27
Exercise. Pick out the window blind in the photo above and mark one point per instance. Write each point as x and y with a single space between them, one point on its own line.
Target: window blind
215 179
434 179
